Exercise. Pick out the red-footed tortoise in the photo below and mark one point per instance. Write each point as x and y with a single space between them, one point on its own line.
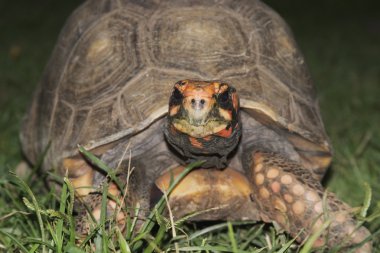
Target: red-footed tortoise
259 130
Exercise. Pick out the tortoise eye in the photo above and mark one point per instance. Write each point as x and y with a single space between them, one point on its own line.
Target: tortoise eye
224 98
176 97
181 83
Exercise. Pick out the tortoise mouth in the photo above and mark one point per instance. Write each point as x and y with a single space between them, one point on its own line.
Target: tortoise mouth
199 129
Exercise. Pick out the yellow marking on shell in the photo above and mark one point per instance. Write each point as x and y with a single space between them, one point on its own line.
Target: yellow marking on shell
298 189
264 193
286 179
318 207
97 47
276 187
288 198
298 207
311 196
280 205
273 173
259 167
259 179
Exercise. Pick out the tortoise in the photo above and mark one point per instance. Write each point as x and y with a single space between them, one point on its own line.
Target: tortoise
240 98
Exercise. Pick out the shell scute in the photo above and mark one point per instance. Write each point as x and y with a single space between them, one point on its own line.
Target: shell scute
182 38
102 61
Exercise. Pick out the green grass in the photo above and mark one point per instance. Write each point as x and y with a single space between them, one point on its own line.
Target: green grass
340 41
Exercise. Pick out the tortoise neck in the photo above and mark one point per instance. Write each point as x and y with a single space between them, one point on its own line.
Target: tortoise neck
214 149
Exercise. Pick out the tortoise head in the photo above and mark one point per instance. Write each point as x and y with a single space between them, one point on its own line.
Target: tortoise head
203 120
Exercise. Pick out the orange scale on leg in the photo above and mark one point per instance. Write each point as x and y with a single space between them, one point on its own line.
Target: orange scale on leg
276 187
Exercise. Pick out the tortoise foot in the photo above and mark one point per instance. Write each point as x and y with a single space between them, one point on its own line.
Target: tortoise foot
288 194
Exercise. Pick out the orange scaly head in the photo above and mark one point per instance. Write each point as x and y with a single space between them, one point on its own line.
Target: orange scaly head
204 120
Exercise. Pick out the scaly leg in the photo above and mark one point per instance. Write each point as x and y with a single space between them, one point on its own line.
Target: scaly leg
288 194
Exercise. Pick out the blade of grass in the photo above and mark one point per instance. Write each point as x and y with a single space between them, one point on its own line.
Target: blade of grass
124 247
54 235
286 246
214 228
70 209
231 235
39 242
159 207
17 242
103 216
90 236
251 237
38 164
134 222
309 243
367 200
101 165
26 188
74 249
174 232
59 227
158 237
213 249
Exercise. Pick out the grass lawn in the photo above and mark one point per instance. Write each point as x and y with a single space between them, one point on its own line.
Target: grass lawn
341 43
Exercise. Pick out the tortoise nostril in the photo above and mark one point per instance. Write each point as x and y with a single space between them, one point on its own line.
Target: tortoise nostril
203 101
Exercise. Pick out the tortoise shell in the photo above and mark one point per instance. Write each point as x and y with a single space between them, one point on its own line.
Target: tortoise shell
113 67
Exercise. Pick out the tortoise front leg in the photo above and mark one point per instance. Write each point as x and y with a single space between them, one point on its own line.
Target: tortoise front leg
288 194
81 175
